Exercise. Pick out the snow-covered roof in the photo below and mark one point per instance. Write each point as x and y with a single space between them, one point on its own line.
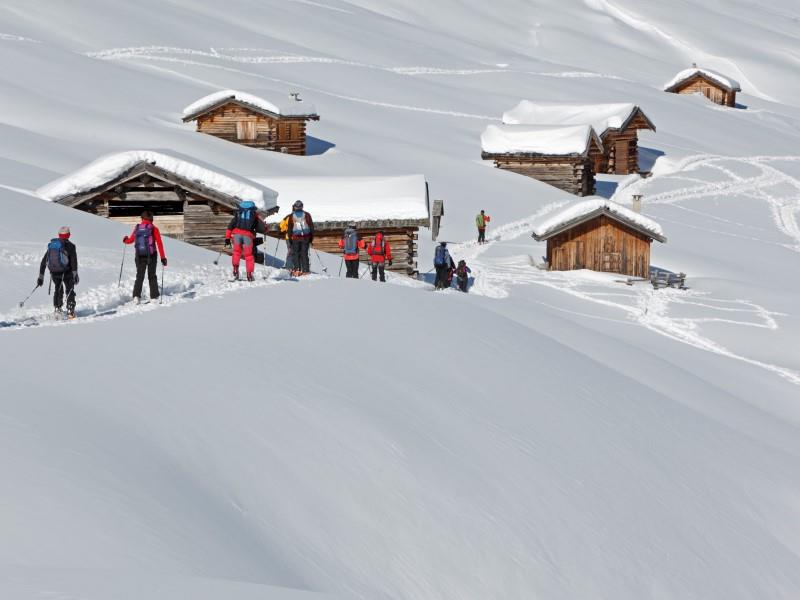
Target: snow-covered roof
590 208
107 168
600 116
558 140
402 198
291 108
726 82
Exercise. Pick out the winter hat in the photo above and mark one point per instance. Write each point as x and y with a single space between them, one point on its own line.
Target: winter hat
298 205
63 232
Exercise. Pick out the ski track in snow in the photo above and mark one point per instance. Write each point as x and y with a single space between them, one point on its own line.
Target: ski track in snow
639 303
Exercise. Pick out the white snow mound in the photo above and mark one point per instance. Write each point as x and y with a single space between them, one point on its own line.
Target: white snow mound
289 109
580 209
106 168
723 80
536 139
600 116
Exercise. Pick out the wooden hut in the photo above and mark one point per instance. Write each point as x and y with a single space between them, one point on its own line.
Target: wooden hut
560 155
599 235
617 125
189 202
714 86
398 205
252 121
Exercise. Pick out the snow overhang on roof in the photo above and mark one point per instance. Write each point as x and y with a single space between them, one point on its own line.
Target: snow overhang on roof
295 108
400 200
601 117
543 140
586 210
723 81
109 170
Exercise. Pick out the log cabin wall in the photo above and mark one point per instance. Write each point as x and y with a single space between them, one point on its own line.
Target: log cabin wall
621 156
402 240
236 124
573 175
601 244
715 93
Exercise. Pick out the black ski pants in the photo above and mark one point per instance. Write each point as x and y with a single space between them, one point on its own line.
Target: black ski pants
378 267
300 255
64 281
463 282
481 236
352 268
149 264
441 277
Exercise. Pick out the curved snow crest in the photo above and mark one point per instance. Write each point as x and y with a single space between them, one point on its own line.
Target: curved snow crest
536 139
723 80
585 207
599 116
111 166
210 100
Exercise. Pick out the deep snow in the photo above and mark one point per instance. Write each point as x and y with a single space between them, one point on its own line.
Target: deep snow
553 435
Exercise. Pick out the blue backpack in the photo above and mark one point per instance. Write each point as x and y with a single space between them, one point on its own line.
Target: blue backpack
57 257
350 241
246 216
144 242
440 257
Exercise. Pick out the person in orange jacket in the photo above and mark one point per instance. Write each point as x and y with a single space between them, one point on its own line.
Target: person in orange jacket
380 252
351 244
146 239
481 221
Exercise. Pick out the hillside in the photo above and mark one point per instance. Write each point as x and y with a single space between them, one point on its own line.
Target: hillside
549 435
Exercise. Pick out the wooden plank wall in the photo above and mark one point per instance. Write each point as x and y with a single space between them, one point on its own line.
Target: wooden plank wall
621 163
602 244
168 225
205 224
716 94
573 176
271 134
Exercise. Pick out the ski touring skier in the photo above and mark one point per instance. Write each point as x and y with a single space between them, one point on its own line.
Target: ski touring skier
380 253
443 263
462 275
146 240
481 220
61 259
350 245
300 227
242 229
284 229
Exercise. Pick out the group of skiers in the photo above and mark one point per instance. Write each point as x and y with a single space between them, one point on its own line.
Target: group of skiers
61 257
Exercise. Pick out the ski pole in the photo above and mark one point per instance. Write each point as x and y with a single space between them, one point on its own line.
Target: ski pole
50 285
324 268
122 264
21 304
277 245
340 266
216 260
365 272
161 295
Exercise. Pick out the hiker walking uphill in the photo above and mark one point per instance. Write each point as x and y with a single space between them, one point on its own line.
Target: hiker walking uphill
146 240
301 231
379 254
480 222
350 244
444 265
462 275
61 259
284 229
243 228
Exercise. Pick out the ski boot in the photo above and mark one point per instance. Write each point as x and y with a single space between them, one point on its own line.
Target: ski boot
250 277
236 274
58 314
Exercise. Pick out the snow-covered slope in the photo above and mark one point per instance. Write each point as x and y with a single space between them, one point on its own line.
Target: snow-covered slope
553 435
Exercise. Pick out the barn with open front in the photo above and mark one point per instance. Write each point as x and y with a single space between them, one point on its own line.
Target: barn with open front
717 87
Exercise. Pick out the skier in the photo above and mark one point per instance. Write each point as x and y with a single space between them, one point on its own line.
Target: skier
284 229
379 253
350 244
301 231
462 275
61 258
146 239
443 263
243 228
480 222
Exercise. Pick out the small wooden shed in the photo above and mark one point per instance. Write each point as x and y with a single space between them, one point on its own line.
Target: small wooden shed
189 202
714 86
397 205
599 235
617 125
252 121
560 155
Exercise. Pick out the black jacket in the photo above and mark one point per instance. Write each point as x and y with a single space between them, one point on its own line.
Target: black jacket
72 253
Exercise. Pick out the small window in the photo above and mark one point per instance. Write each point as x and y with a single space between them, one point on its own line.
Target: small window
246 131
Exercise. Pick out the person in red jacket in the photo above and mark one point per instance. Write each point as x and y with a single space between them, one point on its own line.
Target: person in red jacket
380 252
350 244
146 239
243 228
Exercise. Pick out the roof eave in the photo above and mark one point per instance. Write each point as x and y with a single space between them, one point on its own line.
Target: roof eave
252 107
593 215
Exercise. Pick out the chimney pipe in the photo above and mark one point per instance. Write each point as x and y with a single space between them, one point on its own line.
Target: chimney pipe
637 203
